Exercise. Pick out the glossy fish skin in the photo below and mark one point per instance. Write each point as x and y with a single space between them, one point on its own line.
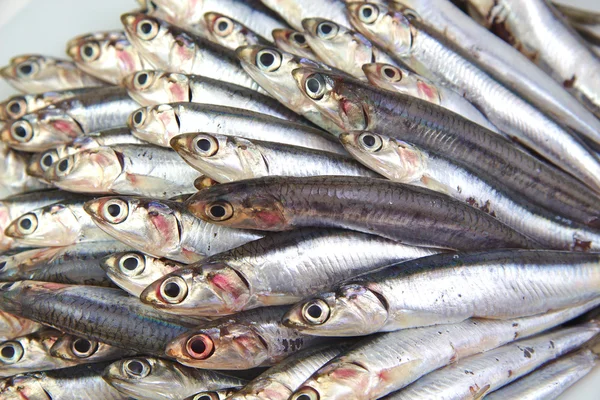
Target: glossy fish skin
35 73
12 326
128 169
449 288
294 42
295 11
106 55
159 124
134 271
166 87
231 158
229 33
496 368
107 315
279 204
84 351
406 163
104 108
411 43
549 381
75 264
403 81
172 49
13 177
450 136
276 270
154 378
213 394
381 364
59 224
247 340
164 228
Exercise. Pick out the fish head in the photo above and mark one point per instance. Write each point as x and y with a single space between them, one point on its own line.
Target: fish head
228 32
73 348
204 182
352 310
6 243
150 87
23 72
223 158
205 289
9 266
144 377
395 79
39 163
13 108
292 41
93 170
11 294
30 352
229 345
13 266
261 389
215 395
155 124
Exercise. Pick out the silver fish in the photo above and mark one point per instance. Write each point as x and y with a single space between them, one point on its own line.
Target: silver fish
449 288
294 42
230 33
213 394
294 11
85 351
12 326
164 228
13 177
35 73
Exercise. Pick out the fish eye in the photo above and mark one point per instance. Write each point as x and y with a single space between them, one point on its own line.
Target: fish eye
21 131
206 396
136 368
219 211
49 158
147 29
315 86
138 117
132 264
392 74
268 60
115 211
173 290
223 26
327 30
410 14
7 286
64 166
89 51
306 393
27 224
200 346
206 145
26 69
299 38
2 264
16 108
370 142
11 352
315 312
368 13
141 80
84 348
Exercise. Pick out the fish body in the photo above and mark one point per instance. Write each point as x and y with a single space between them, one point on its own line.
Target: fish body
297 10
230 33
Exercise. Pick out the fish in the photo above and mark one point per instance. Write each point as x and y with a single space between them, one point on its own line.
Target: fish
294 42
382 364
13 177
12 326
213 394
483 373
150 88
548 42
155 378
400 80
85 351
551 380
74 264
106 55
230 33
133 271
58 224
354 105
247 340
231 158
403 162
172 49
66 120
294 11
129 169
525 124
159 124
275 270
36 73
163 228
371 205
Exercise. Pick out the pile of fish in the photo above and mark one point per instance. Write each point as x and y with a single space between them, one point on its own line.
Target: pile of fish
306 200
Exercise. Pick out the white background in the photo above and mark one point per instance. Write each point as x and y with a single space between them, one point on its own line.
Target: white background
45 26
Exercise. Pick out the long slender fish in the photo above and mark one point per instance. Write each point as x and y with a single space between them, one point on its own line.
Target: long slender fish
411 42
12 326
35 73
172 49
294 11
231 158
164 228
159 124
275 270
14 179
549 381
106 55
449 288
294 42
406 163
354 105
381 364
85 351
370 205
483 373
230 33
93 111
538 31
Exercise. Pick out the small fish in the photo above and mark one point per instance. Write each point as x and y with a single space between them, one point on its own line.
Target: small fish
85 351
230 33
35 73
14 179
294 11
213 394
12 326
294 42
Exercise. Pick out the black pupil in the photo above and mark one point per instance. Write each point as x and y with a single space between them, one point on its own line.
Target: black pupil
26 69
82 346
15 108
203 144
303 397
142 79
326 28
130 263
172 289
313 85
2 265
146 27
135 367
222 26
88 51
367 12
137 118
198 346
267 59
204 397
368 140
25 223
300 38
314 311
8 352
389 72
217 211
47 160
20 131
63 165
114 210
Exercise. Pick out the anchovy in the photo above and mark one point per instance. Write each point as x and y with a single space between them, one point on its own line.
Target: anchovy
12 326
230 33
294 42
13 177
85 351
213 394
294 11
